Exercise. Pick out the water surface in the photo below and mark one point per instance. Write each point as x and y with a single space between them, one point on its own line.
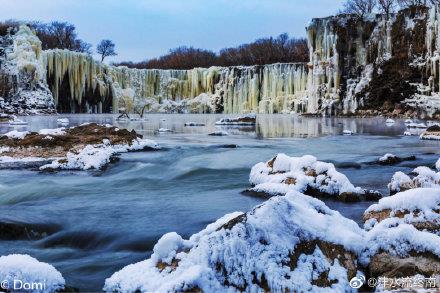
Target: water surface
106 220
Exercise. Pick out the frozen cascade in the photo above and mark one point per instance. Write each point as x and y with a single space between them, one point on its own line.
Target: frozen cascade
23 87
324 71
267 89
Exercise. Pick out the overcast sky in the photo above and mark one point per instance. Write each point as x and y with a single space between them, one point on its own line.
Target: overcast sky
144 29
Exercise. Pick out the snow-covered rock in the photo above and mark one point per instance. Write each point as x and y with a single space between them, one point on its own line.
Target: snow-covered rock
399 251
189 124
290 243
16 269
219 133
88 146
347 132
390 159
15 134
416 125
97 156
422 177
390 121
63 121
304 174
249 119
431 133
54 131
164 130
419 207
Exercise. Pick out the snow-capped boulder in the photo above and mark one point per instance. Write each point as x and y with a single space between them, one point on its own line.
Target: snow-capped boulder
432 133
419 207
88 146
399 251
390 159
304 174
17 269
249 119
403 238
422 177
218 133
275 247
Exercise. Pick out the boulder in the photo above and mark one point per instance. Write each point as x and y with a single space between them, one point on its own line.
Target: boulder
308 175
274 247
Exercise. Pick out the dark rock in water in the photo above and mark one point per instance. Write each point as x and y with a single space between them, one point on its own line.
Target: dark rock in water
218 133
228 146
434 128
431 133
253 193
26 231
390 159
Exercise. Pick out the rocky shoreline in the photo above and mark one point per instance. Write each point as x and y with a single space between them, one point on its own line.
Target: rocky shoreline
84 147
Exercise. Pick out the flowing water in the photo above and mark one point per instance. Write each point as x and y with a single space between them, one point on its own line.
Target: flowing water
98 222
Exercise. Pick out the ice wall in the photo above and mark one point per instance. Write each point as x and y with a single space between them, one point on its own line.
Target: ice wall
267 89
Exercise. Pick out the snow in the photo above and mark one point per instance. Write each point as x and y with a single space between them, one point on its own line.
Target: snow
236 121
219 133
97 156
424 177
390 121
55 131
347 132
164 130
386 157
14 134
194 124
26 269
306 171
8 159
399 239
258 244
416 125
407 133
408 121
63 121
415 199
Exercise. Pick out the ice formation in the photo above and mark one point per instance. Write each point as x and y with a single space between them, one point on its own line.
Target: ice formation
23 75
305 174
265 249
267 89
16 268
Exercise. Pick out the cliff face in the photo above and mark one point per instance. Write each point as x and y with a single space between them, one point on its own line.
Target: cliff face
379 64
358 66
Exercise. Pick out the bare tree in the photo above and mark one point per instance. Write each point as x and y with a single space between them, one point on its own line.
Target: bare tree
106 48
434 2
387 6
359 7
409 3
61 35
